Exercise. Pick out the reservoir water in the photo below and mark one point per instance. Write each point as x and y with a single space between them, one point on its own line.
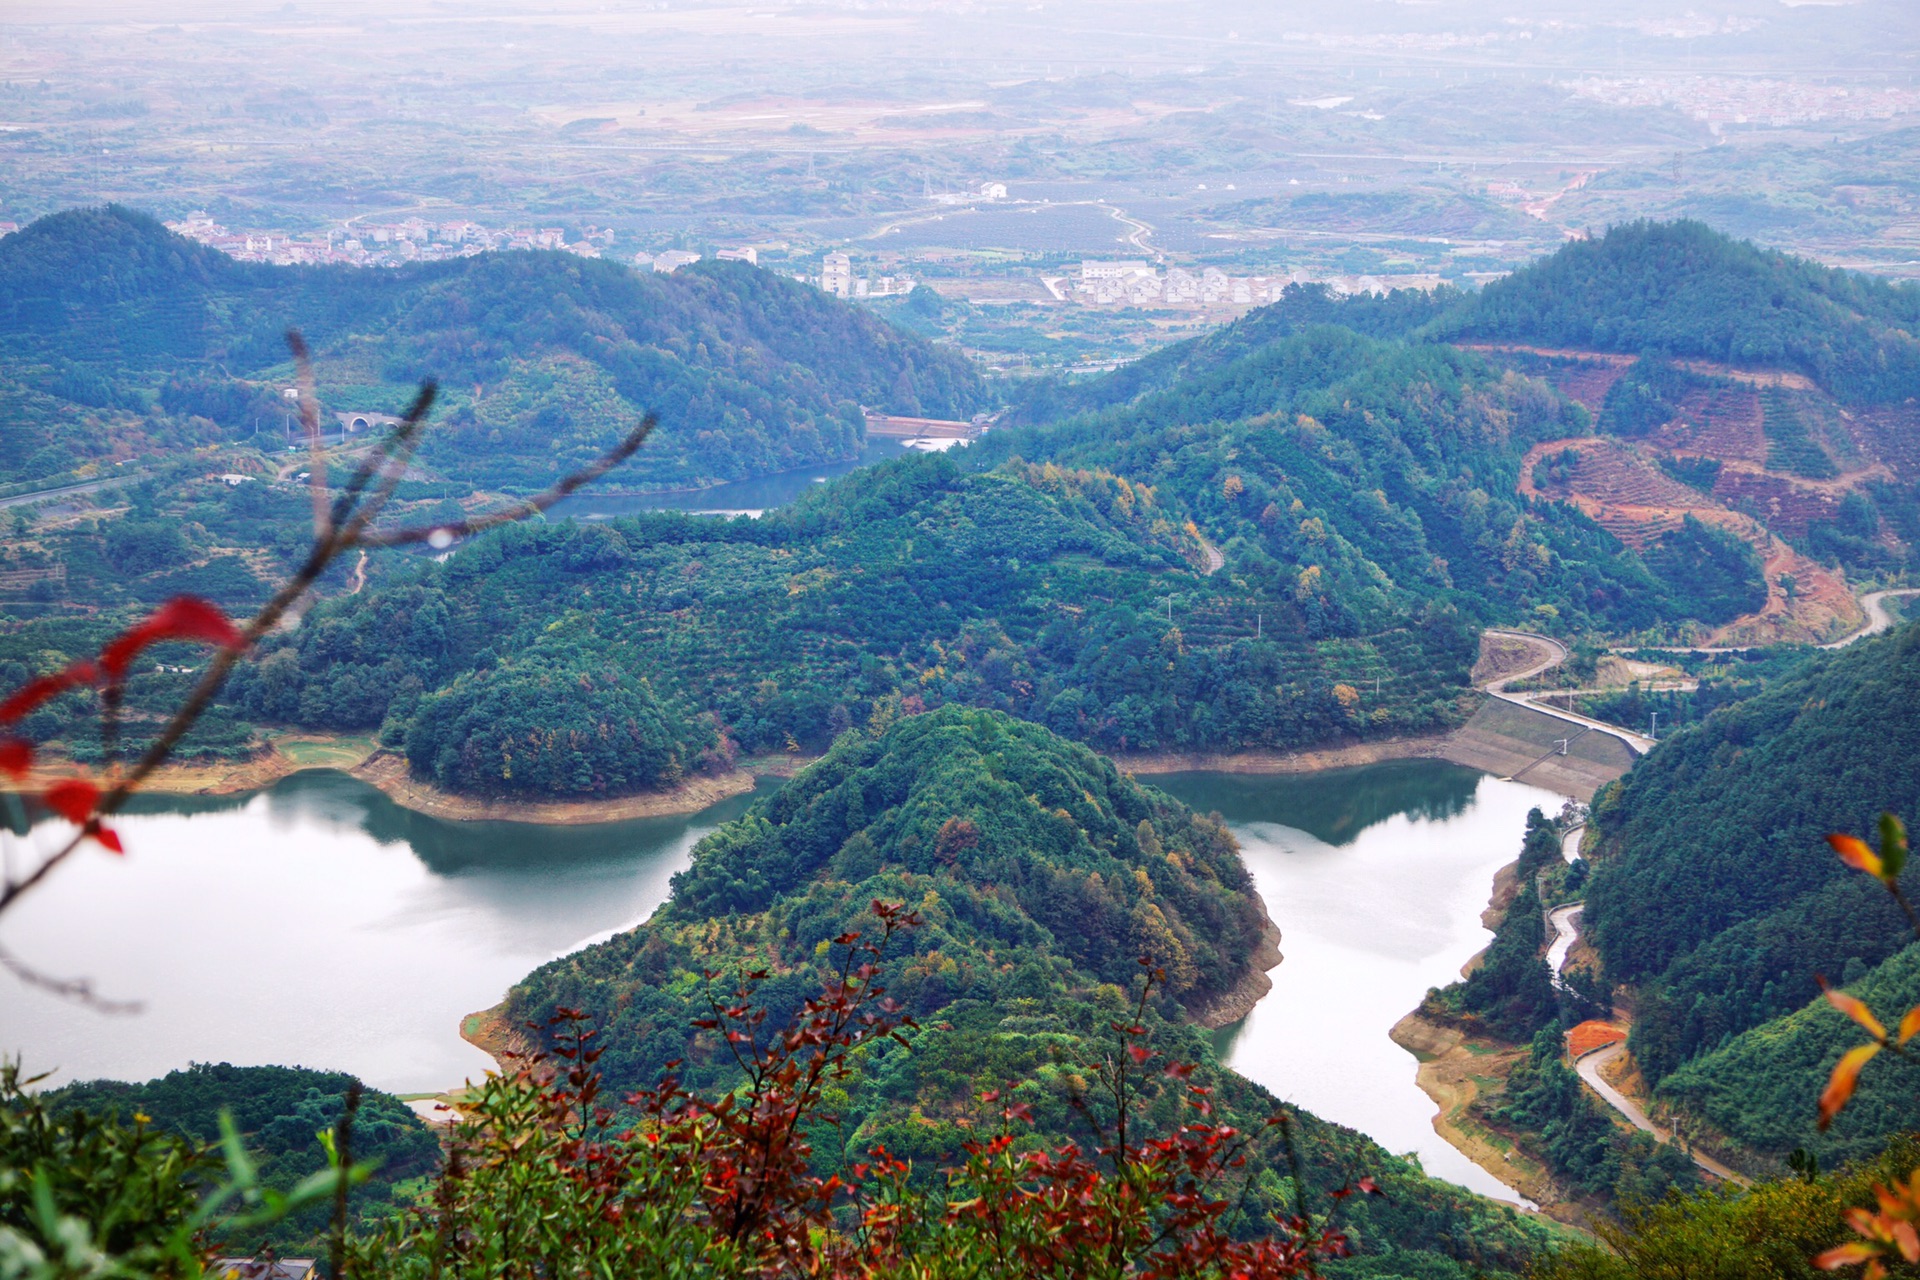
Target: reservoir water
1377 877
739 497
318 923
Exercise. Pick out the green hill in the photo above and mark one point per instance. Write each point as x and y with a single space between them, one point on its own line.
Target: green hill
1042 875
1030 589
1367 477
278 1111
123 339
1715 892
1682 289
1759 1087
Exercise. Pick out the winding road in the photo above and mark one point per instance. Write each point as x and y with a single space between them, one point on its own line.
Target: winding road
1592 1065
1878 619
1554 653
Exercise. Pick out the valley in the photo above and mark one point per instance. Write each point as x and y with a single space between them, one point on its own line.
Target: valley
1292 627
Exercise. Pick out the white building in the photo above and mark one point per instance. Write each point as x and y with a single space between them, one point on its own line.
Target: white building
836 276
1092 272
674 259
749 254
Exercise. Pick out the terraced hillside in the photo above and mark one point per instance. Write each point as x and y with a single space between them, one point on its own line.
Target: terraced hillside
1620 485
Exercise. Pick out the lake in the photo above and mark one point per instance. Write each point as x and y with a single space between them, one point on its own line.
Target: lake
318 923
741 497
1377 877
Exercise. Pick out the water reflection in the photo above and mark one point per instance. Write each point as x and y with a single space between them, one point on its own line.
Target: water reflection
1337 805
1376 877
762 493
317 923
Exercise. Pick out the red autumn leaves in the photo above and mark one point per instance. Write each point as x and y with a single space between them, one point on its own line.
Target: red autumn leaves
185 618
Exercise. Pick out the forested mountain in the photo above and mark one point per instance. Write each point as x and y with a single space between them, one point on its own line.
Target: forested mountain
1717 896
1360 491
1031 589
1041 874
1366 476
122 340
1301 307
278 1110
1682 289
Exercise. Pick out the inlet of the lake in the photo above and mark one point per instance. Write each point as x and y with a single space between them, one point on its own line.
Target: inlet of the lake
320 924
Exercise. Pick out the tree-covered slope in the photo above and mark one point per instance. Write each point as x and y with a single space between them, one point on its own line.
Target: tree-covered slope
1353 500
1715 892
1760 1087
1683 289
279 1112
1301 307
1042 874
1366 477
1030 589
149 340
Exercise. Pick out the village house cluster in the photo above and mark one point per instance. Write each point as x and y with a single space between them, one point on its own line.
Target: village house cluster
372 244
1138 283
837 278
1737 100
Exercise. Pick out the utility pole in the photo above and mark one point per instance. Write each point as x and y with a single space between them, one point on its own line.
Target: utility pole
1654 729
1259 619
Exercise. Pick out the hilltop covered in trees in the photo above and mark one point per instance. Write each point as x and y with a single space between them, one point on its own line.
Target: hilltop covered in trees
1719 899
124 340
906 586
1358 491
278 1111
1041 874
1683 289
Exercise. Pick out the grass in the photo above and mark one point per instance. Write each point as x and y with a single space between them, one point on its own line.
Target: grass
320 753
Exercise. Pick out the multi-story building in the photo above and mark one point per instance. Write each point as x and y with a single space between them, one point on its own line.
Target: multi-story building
1091 272
836 276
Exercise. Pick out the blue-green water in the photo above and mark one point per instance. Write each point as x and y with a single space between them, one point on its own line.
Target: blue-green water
319 923
1376 877
316 923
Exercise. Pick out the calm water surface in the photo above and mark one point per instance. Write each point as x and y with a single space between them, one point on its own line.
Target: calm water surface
319 923
316 923
760 494
1376 877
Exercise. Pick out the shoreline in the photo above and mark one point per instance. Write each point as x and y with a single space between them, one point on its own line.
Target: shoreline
1239 1000
1320 759
361 757
1452 1068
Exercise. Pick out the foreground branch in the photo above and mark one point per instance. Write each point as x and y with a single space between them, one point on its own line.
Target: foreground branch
338 526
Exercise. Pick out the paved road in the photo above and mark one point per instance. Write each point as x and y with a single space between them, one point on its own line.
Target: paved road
41 495
1553 654
1878 619
1589 1067
1565 934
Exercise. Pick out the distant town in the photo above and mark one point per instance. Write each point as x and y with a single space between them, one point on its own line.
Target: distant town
1101 283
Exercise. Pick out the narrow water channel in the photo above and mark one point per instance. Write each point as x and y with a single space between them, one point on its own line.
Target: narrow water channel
318 923
1376 877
